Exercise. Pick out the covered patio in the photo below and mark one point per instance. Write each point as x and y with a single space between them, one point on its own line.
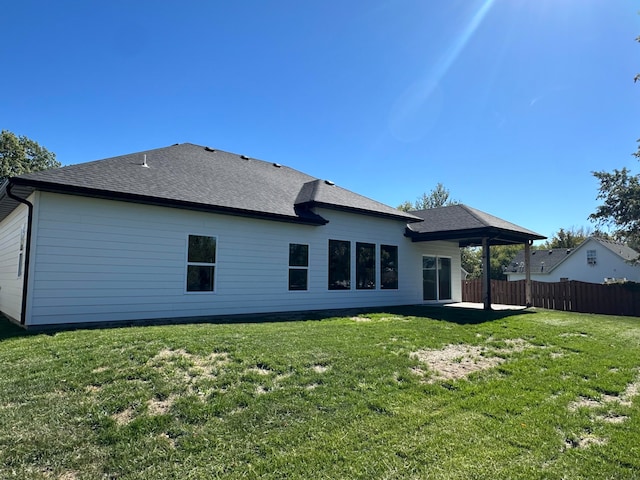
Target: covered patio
473 228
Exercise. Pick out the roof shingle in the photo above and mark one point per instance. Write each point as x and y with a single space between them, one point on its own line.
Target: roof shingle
193 176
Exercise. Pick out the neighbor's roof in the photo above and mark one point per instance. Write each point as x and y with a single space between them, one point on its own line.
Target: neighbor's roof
624 251
467 225
200 178
544 261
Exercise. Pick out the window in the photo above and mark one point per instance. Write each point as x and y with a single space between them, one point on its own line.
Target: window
388 267
339 265
365 266
201 263
591 257
298 266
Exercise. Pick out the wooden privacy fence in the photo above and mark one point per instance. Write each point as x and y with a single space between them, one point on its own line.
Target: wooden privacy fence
571 296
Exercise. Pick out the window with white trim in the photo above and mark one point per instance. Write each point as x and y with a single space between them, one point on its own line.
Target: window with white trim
298 266
201 263
591 257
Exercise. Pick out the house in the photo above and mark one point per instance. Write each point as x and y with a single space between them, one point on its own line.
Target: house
595 260
189 231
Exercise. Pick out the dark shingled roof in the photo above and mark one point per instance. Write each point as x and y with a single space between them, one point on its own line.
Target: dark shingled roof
624 251
542 261
467 225
200 178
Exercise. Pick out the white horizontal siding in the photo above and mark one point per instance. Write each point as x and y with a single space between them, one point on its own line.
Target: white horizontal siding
11 286
101 260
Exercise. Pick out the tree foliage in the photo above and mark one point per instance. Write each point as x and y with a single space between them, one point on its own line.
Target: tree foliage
620 193
437 197
569 238
19 154
500 256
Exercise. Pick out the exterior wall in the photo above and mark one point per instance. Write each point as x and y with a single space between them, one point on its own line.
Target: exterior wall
575 267
100 260
11 284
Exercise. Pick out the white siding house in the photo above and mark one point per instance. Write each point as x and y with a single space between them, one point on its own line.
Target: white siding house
595 260
191 232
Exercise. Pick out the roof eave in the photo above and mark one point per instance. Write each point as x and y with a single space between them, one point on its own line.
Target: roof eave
474 236
304 216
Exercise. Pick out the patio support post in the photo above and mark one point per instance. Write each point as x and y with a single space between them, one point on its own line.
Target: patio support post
527 272
486 274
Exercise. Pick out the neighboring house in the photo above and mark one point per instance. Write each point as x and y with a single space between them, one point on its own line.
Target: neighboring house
595 261
188 231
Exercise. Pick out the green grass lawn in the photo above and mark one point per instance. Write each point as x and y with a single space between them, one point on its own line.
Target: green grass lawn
402 393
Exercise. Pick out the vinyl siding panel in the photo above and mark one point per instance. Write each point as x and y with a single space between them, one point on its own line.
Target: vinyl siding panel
101 260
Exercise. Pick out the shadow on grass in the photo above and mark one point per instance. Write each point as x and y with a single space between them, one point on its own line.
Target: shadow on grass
458 315
9 329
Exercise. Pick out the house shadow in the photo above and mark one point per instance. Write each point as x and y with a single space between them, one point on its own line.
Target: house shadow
459 315
8 329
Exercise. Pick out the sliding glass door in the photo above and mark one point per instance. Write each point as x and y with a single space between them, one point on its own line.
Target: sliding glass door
436 278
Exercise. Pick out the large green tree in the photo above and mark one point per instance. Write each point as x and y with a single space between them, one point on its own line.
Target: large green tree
19 154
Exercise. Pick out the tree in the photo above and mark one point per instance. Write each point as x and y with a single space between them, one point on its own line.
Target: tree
620 192
19 154
437 197
570 238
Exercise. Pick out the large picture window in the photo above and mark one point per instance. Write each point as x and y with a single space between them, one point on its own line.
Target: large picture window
339 265
201 263
365 266
298 266
389 267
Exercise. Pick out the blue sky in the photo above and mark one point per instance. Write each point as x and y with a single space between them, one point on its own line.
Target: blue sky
511 104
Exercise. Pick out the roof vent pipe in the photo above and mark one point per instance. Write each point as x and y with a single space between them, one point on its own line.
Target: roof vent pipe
144 161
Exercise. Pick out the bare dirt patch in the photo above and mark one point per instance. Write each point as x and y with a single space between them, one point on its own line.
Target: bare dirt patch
625 399
124 417
584 442
458 361
612 418
160 407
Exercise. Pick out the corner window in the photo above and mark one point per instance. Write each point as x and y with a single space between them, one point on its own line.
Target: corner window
591 257
365 266
298 266
389 267
201 263
339 265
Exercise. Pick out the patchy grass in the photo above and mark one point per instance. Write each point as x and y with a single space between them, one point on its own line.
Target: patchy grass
401 393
